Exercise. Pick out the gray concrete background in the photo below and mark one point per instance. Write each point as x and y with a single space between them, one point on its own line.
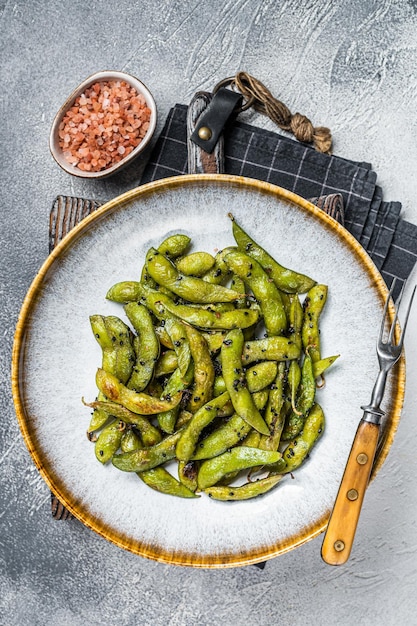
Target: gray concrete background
348 65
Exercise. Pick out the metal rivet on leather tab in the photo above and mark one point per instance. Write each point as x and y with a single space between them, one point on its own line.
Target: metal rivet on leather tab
362 458
352 494
204 133
339 545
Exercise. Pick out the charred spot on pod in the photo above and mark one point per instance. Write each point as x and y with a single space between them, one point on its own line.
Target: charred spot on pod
249 274
231 493
227 342
177 344
248 246
217 273
196 398
114 339
190 470
97 335
101 452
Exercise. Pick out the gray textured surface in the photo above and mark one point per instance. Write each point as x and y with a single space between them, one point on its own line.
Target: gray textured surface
350 66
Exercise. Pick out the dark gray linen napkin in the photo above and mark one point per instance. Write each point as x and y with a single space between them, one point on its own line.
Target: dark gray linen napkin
390 241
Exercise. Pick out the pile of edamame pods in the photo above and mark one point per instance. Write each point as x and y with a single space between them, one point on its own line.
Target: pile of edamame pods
217 369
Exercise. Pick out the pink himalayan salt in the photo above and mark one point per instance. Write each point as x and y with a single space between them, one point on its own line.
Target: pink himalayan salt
103 126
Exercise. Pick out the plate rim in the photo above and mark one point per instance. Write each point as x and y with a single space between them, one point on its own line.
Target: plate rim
156 553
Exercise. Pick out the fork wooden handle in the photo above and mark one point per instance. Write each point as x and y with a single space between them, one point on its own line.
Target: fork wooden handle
341 529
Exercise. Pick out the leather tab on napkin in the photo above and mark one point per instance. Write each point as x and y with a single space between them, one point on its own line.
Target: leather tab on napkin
254 152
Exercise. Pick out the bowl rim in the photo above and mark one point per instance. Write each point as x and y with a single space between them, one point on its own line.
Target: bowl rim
99 77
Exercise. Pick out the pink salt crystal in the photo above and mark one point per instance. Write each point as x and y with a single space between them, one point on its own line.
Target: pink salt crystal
124 117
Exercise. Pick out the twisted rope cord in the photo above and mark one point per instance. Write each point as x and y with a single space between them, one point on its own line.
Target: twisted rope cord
299 125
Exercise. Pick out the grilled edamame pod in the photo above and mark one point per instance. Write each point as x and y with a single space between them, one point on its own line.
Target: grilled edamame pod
166 364
202 390
275 411
319 367
223 438
176 383
195 264
108 441
213 470
141 403
285 279
190 288
202 418
146 346
149 433
261 375
220 271
304 402
270 349
297 450
147 458
158 478
203 318
174 245
244 492
265 291
178 336
116 359
233 374
313 306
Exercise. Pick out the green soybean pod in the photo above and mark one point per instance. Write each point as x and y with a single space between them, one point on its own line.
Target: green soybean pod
189 288
265 291
158 478
202 390
117 359
141 403
275 411
162 306
200 420
219 386
243 492
231 355
121 336
166 364
147 458
304 402
125 291
294 379
214 339
319 367
211 471
270 349
313 306
146 344
176 332
149 433
195 264
261 375
176 383
298 449
174 245
108 441
285 279
295 318
221 270
187 474
224 437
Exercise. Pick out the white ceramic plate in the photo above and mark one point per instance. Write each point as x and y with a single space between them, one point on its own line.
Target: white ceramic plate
55 359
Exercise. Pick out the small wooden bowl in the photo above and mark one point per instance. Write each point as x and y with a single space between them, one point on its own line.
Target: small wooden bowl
55 148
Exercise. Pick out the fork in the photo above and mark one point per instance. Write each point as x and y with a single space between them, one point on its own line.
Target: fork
340 533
